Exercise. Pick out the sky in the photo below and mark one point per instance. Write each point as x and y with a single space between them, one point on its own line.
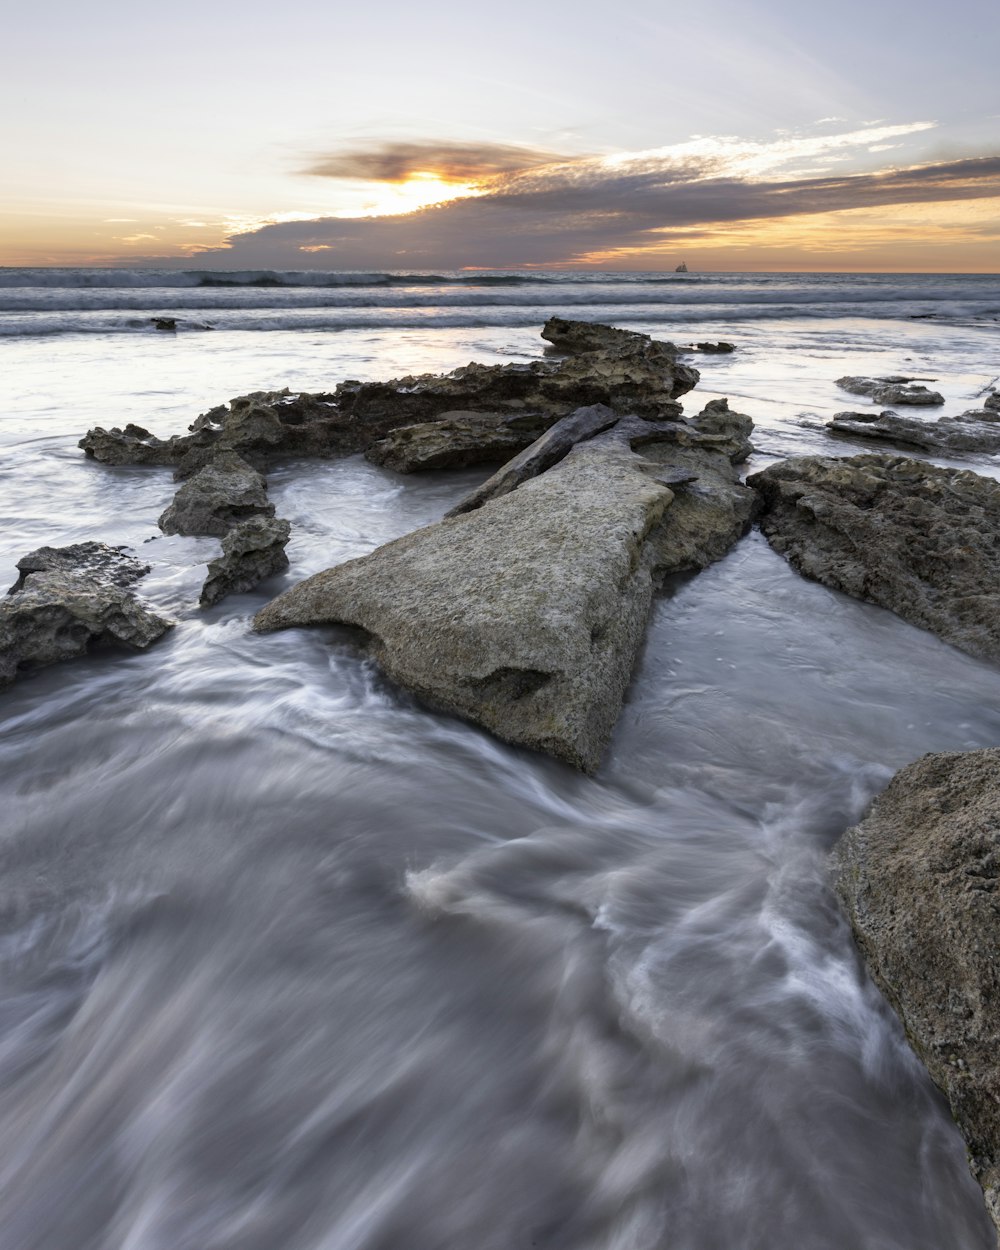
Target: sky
767 135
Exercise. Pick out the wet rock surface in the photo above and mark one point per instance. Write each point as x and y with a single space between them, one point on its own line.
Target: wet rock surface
920 879
251 551
525 614
457 440
974 431
68 598
224 493
892 390
919 540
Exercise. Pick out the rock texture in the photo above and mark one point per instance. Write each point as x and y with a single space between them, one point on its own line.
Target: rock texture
891 390
920 878
457 440
222 494
67 598
992 401
630 373
251 552
526 614
975 431
544 452
922 541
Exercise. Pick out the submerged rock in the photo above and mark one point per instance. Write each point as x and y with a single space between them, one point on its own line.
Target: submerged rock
251 552
525 615
222 494
67 598
715 349
891 390
975 431
457 440
920 879
919 540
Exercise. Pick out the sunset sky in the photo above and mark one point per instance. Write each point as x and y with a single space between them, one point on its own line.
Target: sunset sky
727 134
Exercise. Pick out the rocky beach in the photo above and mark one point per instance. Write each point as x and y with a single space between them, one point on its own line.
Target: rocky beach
569 775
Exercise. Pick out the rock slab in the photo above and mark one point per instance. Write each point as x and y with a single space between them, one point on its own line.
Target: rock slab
524 616
906 535
920 879
68 598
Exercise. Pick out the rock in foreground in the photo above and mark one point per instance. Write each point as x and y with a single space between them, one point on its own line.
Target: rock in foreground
919 540
526 614
251 552
920 878
67 598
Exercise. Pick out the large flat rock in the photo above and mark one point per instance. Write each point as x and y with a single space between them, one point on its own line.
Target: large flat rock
919 540
524 616
920 878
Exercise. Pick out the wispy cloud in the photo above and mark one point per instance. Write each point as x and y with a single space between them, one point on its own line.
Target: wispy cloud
450 162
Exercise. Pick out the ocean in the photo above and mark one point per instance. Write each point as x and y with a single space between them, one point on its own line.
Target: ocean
290 962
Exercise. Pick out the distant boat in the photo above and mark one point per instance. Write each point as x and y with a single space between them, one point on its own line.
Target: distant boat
681 268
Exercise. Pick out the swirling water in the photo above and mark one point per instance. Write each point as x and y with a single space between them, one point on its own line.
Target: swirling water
290 962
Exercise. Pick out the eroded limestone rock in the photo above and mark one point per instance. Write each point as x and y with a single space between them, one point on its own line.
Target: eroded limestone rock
251 551
635 375
68 598
920 879
919 540
457 440
222 494
524 616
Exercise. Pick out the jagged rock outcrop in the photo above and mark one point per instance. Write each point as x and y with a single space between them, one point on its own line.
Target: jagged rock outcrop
222 494
457 440
975 431
919 540
637 374
251 551
920 879
892 390
576 337
992 401
526 614
67 598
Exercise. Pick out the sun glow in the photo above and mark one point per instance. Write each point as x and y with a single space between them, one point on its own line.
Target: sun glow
418 190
